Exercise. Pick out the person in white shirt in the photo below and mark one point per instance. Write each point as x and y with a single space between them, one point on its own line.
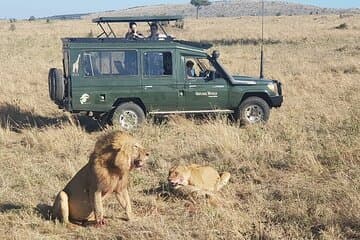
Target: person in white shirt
154 33
190 71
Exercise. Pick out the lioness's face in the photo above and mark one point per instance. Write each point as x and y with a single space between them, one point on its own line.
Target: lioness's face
179 176
139 156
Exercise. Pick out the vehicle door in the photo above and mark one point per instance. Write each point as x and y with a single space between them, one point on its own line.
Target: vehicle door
204 88
159 80
103 76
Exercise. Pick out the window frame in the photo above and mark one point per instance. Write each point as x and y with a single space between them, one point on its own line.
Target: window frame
147 76
112 66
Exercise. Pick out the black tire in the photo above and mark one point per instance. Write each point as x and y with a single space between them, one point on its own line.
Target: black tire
253 110
128 116
51 83
56 84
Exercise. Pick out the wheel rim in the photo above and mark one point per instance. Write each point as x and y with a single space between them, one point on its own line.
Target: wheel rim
254 114
128 119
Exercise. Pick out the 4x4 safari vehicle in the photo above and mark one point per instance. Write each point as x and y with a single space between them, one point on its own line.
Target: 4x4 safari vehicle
122 80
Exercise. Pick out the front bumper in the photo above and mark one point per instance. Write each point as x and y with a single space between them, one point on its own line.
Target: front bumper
276 101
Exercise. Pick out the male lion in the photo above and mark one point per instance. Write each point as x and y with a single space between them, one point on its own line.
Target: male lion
195 179
107 172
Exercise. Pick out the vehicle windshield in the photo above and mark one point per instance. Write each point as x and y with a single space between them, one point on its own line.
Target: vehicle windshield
220 70
205 64
200 67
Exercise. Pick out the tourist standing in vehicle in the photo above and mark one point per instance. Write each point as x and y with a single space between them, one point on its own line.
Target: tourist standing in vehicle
154 33
132 33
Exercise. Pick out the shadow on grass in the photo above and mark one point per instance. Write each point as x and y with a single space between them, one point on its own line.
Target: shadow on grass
8 207
15 118
44 210
163 191
198 119
89 124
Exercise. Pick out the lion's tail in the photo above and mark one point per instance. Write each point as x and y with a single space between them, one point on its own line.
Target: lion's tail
224 179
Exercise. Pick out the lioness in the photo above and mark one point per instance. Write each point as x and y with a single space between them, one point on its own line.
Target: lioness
107 172
203 180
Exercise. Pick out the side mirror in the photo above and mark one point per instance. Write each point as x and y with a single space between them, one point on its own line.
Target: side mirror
215 54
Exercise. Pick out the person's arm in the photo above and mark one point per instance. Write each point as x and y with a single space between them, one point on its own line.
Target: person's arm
138 35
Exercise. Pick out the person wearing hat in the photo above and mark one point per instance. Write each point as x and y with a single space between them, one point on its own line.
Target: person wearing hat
132 33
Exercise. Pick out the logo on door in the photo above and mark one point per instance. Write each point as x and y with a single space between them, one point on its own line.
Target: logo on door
84 98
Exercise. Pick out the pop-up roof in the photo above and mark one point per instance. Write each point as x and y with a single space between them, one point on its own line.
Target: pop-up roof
104 21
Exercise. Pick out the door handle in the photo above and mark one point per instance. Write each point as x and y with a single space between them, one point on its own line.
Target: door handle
147 87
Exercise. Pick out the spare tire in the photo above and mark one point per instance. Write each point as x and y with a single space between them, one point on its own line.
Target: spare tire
56 84
51 83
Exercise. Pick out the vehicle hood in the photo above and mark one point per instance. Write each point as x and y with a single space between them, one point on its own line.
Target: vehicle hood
245 80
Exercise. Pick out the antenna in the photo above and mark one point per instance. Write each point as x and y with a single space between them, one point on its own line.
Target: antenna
262 41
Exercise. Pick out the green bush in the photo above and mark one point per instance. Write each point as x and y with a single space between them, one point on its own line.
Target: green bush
342 26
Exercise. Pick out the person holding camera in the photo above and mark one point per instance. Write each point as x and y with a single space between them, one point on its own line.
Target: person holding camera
132 33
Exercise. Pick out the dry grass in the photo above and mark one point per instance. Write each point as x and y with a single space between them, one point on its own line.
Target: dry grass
296 177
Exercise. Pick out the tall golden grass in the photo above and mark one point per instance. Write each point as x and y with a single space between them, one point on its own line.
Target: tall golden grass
297 177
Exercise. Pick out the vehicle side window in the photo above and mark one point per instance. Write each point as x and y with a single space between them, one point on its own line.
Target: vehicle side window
124 63
196 67
192 68
158 64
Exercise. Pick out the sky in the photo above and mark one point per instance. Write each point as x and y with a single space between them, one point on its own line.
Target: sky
23 9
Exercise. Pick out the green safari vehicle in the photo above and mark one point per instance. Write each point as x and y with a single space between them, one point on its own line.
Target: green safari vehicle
122 81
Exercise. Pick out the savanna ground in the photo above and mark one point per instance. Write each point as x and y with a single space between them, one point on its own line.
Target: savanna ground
297 177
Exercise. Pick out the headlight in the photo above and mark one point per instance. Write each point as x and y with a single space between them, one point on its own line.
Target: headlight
273 87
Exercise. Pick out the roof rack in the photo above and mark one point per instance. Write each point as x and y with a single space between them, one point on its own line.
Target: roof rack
104 21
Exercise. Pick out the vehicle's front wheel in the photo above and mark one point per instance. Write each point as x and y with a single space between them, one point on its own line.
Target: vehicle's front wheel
128 116
253 110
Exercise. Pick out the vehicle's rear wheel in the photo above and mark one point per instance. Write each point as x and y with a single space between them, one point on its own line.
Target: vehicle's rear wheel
128 116
253 110
56 84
